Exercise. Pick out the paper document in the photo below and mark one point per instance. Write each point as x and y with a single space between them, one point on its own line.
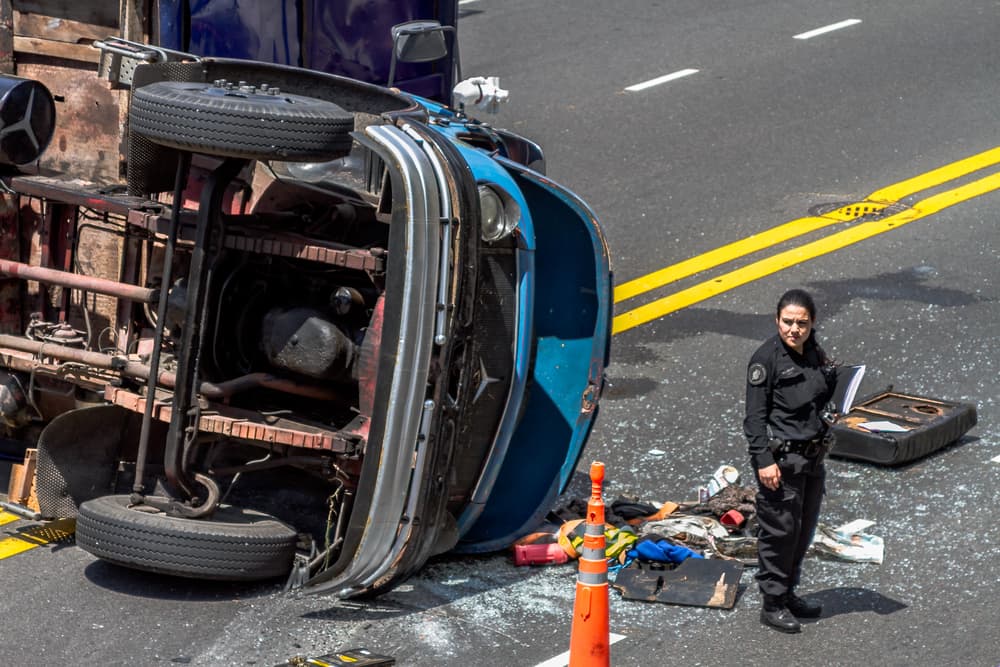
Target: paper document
848 381
883 427
852 527
859 547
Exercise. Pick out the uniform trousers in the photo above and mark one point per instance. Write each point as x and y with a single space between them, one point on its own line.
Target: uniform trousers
786 519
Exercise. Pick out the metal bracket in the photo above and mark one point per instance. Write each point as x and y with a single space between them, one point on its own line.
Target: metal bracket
120 57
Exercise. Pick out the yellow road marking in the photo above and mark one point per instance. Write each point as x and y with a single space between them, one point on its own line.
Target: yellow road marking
875 202
741 248
948 172
783 260
7 517
37 536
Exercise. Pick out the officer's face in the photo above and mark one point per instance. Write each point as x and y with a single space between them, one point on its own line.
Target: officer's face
794 325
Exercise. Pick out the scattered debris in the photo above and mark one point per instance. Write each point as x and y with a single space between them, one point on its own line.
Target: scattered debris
722 478
697 582
684 553
732 519
849 542
891 428
617 540
539 554
356 657
659 549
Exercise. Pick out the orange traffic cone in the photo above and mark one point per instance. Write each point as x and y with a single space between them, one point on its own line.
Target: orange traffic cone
589 643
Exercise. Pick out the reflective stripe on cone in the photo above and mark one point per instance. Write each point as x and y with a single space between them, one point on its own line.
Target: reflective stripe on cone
589 644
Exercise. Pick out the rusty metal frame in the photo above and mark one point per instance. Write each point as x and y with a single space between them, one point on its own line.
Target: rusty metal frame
67 279
275 243
242 424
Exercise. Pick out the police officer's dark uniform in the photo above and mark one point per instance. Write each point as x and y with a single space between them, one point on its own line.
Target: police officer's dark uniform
787 393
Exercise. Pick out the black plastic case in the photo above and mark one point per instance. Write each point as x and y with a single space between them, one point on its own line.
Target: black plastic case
932 423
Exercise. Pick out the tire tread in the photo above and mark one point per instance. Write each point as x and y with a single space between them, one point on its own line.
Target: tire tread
256 547
173 115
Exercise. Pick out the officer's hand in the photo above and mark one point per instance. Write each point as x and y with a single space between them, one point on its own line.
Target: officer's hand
770 476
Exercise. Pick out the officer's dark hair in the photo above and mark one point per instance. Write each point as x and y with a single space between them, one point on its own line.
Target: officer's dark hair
802 298
797 297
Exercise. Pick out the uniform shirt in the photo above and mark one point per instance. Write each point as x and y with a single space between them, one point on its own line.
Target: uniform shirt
786 392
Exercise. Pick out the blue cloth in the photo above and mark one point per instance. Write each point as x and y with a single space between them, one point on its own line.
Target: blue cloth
615 565
662 551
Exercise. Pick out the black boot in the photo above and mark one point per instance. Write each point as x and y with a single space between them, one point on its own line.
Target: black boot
802 608
775 614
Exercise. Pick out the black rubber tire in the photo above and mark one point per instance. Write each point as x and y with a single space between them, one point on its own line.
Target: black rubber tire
235 544
203 118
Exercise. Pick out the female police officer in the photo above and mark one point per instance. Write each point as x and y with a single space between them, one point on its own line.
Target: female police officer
789 384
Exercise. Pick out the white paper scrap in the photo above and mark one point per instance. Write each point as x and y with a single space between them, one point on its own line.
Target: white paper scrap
883 427
856 526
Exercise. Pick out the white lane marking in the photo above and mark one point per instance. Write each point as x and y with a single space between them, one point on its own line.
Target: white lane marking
562 660
830 28
465 2
662 79
995 459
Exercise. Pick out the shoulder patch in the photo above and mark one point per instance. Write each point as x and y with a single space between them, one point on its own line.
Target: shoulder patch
756 374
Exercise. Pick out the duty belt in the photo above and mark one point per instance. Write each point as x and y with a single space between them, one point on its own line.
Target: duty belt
807 448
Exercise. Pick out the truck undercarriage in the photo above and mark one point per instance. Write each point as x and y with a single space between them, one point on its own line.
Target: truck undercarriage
236 328
258 320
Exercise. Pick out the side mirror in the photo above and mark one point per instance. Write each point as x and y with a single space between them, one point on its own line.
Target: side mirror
420 42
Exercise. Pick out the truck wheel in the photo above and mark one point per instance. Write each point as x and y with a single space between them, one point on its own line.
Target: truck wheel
240 122
235 544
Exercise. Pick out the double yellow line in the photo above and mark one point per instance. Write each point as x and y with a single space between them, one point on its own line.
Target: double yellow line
874 203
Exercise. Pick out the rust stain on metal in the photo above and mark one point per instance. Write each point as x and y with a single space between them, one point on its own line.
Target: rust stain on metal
275 245
77 281
10 290
82 194
237 424
86 107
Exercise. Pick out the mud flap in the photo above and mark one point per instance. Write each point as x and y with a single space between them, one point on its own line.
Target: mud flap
697 582
77 455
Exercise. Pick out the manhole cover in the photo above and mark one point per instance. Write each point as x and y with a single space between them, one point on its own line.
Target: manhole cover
857 210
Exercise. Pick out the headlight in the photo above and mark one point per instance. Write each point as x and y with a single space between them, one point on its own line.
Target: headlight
498 215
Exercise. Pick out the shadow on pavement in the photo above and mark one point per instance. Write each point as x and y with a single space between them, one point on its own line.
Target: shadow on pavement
163 587
837 601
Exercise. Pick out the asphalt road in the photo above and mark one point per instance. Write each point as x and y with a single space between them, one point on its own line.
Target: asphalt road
768 129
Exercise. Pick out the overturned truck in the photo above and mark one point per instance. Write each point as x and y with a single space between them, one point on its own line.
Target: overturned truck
263 320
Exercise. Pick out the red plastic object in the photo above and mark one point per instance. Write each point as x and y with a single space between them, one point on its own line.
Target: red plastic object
539 554
732 519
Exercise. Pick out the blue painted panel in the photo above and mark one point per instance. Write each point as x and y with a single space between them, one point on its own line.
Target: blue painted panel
487 170
572 327
346 37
